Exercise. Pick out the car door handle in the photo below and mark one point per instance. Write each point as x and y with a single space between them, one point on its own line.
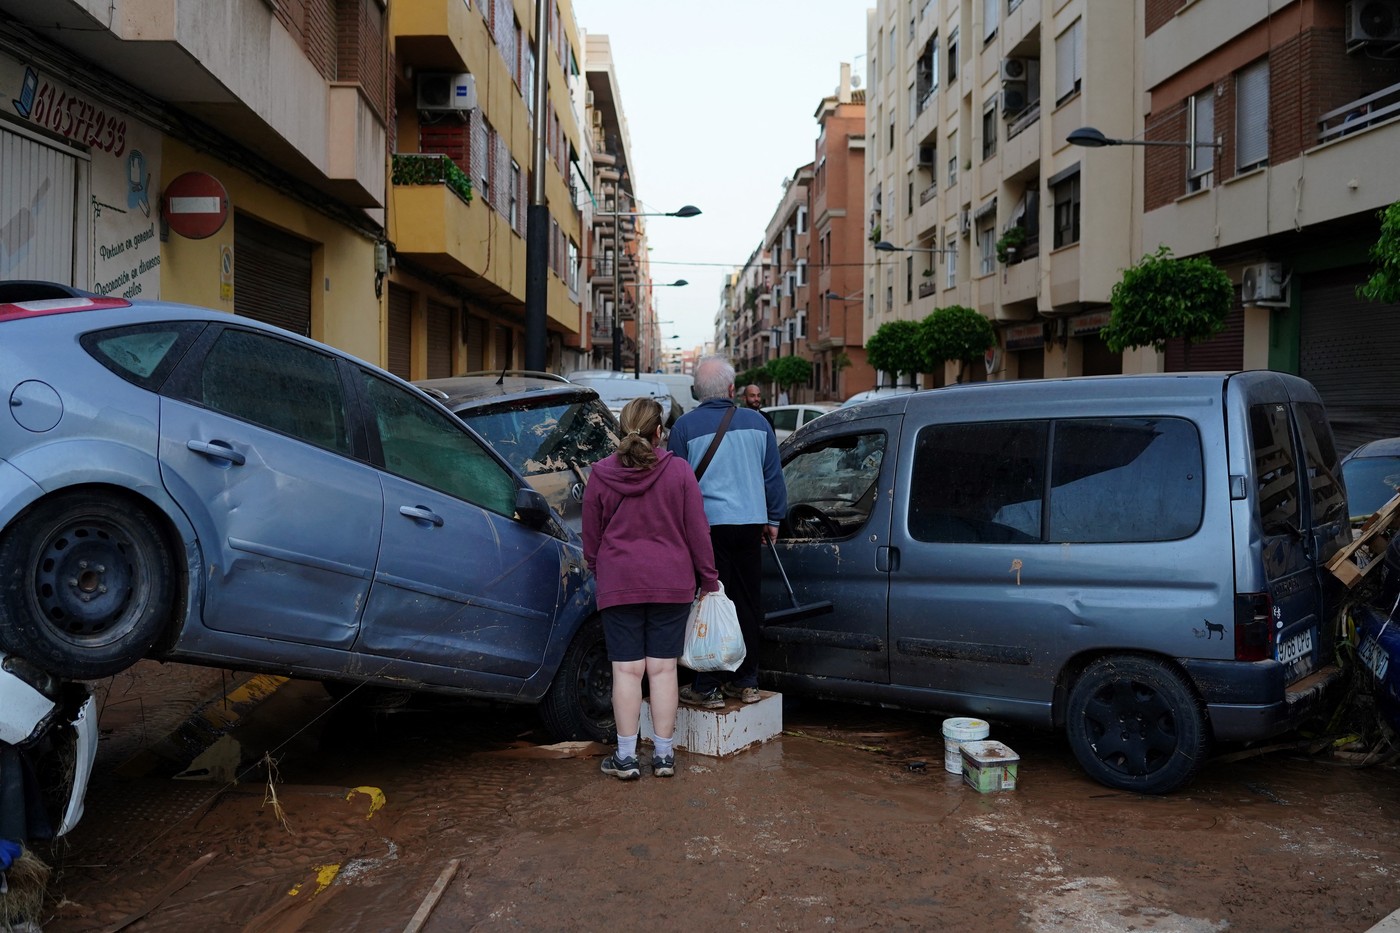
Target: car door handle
420 514
217 450
887 559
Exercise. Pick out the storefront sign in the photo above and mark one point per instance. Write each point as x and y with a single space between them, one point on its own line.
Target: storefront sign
1085 324
1025 337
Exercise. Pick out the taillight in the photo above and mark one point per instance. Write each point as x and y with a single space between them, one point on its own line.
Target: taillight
1254 627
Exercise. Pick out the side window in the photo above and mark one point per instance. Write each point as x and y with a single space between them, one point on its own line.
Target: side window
831 487
785 420
978 483
429 447
280 385
1329 501
1275 468
1125 479
143 354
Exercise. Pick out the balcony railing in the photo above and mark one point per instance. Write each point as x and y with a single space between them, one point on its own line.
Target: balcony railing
927 288
414 168
1359 114
927 194
1027 117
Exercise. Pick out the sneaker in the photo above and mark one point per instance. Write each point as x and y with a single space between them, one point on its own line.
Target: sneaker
709 700
663 767
625 769
743 694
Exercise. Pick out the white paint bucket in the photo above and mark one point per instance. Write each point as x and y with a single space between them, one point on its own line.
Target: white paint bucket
957 731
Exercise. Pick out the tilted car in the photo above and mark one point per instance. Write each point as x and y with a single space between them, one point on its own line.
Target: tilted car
182 483
549 429
1372 473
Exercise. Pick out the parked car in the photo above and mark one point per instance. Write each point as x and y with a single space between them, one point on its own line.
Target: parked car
788 418
877 393
550 430
48 742
681 385
1136 560
616 391
186 484
1372 473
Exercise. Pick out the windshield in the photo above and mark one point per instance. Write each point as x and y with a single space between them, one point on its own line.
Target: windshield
543 438
1371 482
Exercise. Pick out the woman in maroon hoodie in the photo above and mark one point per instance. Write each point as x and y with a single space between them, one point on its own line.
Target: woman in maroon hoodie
647 541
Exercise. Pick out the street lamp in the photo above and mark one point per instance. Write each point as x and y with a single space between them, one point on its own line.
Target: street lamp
885 246
637 356
1091 138
689 210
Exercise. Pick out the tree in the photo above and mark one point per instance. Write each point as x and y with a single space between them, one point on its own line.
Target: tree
787 371
1384 283
751 376
894 348
957 333
1162 298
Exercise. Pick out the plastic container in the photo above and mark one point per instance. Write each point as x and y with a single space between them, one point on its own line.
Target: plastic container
989 766
957 731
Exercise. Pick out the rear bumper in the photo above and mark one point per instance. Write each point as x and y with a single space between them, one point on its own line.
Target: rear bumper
1249 702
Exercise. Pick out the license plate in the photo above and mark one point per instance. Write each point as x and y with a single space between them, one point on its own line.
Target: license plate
1375 658
1296 653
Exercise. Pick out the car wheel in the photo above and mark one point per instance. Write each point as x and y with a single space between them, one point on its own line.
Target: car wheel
578 705
87 585
1135 724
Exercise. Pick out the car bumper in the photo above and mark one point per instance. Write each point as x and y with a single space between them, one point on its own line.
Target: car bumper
1250 702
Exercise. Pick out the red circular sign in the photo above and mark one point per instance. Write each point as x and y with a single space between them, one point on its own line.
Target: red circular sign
195 205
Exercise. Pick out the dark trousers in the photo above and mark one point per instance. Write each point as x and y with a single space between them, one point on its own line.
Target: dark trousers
738 559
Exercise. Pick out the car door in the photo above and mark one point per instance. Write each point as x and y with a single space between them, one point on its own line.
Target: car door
461 583
255 446
834 547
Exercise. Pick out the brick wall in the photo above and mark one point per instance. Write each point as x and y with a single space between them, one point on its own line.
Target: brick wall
319 36
1159 13
360 52
1164 167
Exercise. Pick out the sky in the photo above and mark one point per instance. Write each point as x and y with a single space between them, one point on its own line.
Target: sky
719 98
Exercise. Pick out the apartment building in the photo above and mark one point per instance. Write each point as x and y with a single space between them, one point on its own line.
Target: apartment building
464 87
973 193
225 154
787 241
1288 111
751 330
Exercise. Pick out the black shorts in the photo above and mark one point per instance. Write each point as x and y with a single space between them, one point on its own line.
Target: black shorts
645 630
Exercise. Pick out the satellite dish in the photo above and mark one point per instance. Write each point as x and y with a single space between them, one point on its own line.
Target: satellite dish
855 80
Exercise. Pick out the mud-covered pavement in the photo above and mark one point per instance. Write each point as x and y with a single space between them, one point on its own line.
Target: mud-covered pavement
847 821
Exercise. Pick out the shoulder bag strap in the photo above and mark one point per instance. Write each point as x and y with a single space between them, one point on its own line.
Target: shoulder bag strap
714 442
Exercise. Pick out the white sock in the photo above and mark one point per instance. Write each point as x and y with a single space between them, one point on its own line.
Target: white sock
663 746
626 747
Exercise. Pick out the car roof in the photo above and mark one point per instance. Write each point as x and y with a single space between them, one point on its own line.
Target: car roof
458 391
1381 447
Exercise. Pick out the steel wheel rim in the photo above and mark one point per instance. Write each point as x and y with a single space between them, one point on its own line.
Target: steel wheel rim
86 581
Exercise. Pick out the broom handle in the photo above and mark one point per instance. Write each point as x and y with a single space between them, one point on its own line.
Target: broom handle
774 549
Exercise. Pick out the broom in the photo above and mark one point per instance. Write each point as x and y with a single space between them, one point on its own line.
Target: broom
22 890
798 611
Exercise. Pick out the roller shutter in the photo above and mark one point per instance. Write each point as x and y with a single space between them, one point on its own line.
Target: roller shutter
439 340
400 357
1223 352
1351 352
476 344
38 207
272 275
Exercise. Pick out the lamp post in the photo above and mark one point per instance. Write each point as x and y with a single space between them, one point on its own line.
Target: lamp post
637 357
689 210
1091 138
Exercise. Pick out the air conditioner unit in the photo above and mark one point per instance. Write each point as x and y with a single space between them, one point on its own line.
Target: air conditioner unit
1013 98
1373 21
1262 281
926 155
965 222
443 91
1013 69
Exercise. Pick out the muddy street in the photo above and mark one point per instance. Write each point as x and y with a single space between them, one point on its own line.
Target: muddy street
846 821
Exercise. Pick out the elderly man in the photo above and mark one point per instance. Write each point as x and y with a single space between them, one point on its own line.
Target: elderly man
745 499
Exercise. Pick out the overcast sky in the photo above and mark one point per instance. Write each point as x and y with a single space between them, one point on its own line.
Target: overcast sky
719 98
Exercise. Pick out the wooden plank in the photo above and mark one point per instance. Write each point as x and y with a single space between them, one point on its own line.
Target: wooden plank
1353 562
431 899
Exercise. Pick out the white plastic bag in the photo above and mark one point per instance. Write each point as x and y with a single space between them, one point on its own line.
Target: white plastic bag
713 639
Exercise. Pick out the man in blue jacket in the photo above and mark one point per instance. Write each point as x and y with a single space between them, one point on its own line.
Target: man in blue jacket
745 499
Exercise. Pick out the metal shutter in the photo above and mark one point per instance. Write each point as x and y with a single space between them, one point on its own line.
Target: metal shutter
1098 359
1223 352
1351 352
439 340
37 210
476 344
272 273
400 361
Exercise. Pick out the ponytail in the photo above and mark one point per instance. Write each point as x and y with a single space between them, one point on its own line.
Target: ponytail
640 419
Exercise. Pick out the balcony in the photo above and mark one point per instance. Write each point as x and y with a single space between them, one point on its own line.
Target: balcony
927 287
1359 114
1021 280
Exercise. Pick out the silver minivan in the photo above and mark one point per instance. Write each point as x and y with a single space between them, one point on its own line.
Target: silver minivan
1136 560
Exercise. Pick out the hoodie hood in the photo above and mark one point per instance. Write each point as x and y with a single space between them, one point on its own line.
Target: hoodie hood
627 481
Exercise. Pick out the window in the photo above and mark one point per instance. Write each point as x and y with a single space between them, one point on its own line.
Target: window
952 56
989 129
991 11
1066 195
950 258
1200 158
573 268
143 354
1275 469
1069 61
840 478
953 158
801 219
1328 498
889 289
986 245
801 272
908 278
433 449
514 209
280 385
1108 480
1252 116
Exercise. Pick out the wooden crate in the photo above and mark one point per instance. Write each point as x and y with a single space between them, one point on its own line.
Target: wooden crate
1367 550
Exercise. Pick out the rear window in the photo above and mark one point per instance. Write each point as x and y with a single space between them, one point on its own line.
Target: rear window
1275 469
143 354
553 438
1327 492
1108 480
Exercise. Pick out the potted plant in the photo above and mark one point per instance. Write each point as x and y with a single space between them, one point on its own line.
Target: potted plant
1009 246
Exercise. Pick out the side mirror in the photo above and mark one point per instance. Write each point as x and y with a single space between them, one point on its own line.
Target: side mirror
532 508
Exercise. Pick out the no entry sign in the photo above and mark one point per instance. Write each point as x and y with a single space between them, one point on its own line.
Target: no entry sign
195 205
